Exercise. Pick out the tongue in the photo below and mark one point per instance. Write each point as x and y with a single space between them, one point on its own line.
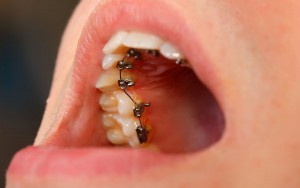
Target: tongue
184 116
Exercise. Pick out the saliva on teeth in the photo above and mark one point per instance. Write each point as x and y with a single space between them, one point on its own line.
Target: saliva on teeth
119 118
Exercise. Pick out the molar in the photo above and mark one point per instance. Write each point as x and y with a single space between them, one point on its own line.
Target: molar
128 124
116 136
134 142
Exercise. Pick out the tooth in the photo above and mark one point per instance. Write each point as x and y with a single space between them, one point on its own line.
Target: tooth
107 80
127 133
118 117
170 52
134 142
109 120
111 60
108 102
125 105
129 124
114 45
116 136
142 41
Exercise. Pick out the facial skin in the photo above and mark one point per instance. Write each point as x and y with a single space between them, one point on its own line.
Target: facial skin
251 63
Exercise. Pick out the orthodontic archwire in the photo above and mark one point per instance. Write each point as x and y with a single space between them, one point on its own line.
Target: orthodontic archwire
139 108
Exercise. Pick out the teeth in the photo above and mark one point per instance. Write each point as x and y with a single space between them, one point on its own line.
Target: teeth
111 61
170 52
107 81
109 120
134 142
129 124
114 45
116 136
117 124
122 40
125 105
142 41
118 117
108 102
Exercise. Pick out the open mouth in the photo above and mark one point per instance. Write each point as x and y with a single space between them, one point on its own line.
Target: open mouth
147 82
156 102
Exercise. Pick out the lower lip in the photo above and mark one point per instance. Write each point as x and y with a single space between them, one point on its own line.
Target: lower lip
75 162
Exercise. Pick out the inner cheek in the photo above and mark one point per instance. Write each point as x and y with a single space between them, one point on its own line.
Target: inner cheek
184 115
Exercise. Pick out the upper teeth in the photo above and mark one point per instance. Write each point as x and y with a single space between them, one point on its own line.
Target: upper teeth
114 45
123 40
107 80
111 60
119 118
142 41
170 52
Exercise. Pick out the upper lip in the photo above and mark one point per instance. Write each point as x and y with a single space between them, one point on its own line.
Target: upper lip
107 18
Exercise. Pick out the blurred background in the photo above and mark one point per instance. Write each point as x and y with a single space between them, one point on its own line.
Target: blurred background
30 33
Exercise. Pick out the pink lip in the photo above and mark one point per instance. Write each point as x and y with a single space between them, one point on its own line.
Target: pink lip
89 162
107 18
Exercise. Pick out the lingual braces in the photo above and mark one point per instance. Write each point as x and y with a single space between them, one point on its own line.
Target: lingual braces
124 83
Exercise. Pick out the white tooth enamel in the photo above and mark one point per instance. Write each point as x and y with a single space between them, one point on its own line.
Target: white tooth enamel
116 136
134 142
107 80
142 41
170 52
125 105
111 60
129 125
118 117
108 102
114 45
109 120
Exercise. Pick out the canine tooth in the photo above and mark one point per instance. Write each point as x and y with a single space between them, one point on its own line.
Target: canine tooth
109 120
125 105
107 81
108 102
142 41
116 136
169 51
115 43
111 60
